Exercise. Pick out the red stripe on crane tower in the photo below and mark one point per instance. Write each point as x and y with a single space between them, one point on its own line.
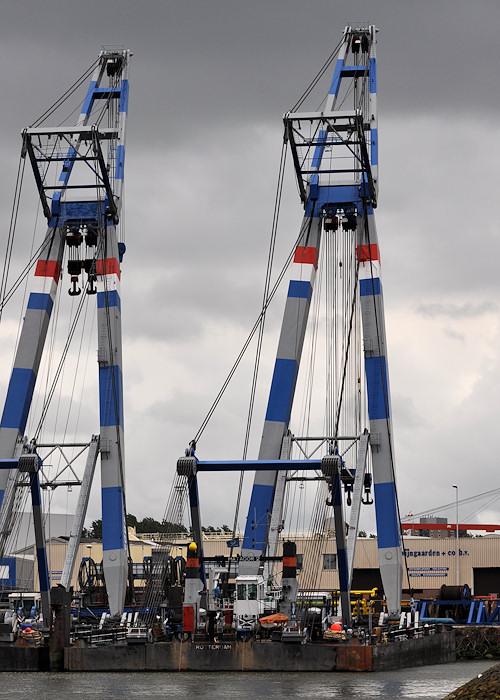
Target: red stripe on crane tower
109 266
48 268
308 255
366 253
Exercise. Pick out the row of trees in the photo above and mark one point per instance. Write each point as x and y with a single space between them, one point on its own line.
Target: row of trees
150 525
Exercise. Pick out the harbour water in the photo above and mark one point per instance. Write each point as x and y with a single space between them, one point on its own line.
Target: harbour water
424 683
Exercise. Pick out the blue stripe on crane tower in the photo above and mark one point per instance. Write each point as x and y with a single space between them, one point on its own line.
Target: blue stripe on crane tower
110 396
113 299
113 518
17 403
374 147
280 395
370 286
261 502
124 97
376 384
90 97
120 162
373 75
318 151
334 87
40 302
68 165
300 289
387 515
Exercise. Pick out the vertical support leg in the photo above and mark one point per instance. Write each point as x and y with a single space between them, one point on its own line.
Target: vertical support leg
81 511
282 391
379 411
343 568
114 533
194 504
27 363
356 501
331 466
41 553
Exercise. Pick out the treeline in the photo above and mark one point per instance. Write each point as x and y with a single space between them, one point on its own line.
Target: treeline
150 525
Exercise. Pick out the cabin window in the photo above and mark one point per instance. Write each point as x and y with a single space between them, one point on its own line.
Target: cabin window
242 591
252 591
329 562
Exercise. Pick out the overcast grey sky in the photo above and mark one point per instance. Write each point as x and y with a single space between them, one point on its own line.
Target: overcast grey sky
210 80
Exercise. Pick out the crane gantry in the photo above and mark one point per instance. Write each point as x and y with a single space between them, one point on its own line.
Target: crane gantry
336 164
79 173
335 155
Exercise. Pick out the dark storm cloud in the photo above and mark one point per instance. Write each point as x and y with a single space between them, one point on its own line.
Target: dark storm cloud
210 80
200 63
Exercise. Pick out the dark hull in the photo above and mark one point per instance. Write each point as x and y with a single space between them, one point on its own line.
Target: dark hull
263 656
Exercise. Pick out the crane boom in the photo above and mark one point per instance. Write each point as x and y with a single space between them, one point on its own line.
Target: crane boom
335 153
82 210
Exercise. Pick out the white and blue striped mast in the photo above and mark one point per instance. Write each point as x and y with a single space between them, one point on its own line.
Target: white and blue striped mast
73 214
330 186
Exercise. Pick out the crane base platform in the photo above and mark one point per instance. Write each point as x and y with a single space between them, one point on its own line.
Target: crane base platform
263 656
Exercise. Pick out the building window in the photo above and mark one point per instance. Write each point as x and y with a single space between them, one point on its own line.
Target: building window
329 562
300 560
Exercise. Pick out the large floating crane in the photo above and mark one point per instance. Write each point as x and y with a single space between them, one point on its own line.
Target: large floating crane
335 155
336 163
79 173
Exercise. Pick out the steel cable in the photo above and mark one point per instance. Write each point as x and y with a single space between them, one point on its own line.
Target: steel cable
65 96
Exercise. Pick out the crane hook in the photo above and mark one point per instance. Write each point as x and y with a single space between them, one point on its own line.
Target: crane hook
368 501
91 288
74 290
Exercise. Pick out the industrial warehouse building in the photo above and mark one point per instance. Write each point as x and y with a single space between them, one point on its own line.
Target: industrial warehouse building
430 561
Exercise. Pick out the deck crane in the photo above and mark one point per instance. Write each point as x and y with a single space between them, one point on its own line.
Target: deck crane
82 205
335 154
336 164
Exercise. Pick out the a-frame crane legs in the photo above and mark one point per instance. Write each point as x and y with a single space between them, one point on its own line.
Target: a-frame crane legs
84 207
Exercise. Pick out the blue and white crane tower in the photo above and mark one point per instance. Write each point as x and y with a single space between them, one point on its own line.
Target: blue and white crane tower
335 155
79 172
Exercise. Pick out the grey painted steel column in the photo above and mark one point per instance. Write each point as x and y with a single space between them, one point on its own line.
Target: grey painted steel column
114 527
379 411
357 496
